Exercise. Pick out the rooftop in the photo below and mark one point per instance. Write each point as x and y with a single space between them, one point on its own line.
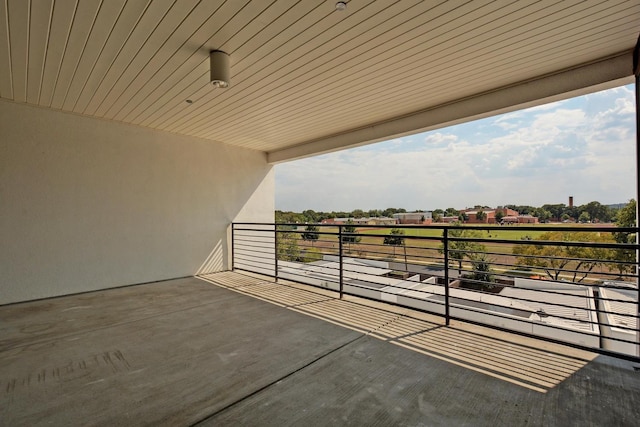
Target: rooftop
568 307
621 307
231 349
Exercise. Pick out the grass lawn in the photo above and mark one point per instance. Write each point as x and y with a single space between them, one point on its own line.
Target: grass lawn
500 233
374 236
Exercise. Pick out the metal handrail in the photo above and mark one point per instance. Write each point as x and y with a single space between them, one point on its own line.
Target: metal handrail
258 248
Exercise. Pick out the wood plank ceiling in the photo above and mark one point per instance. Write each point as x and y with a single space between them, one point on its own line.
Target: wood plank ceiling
301 71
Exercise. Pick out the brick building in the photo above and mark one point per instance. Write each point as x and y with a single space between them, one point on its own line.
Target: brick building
414 217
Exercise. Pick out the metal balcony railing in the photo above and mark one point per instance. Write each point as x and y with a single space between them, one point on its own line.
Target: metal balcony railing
574 285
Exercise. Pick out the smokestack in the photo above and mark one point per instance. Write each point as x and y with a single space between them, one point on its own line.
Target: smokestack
570 201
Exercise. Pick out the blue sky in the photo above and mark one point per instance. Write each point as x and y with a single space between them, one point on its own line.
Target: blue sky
582 147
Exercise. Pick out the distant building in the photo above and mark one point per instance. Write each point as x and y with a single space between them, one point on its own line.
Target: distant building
361 221
472 216
383 221
519 219
527 219
414 217
512 219
449 219
509 216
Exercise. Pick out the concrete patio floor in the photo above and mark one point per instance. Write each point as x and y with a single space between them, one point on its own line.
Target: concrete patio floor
230 349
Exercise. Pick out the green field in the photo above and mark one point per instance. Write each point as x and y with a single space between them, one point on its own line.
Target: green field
375 236
499 233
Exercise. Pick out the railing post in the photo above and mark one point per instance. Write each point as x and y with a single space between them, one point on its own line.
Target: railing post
340 258
445 244
233 255
636 72
275 243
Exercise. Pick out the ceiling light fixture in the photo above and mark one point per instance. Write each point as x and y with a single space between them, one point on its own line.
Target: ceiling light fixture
341 5
219 69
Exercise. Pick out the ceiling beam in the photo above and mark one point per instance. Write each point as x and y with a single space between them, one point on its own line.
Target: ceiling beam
587 78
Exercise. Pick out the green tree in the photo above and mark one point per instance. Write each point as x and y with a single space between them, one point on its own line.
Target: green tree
390 211
311 216
481 265
499 216
358 213
349 228
437 218
543 215
310 233
287 246
556 210
555 260
584 217
461 249
621 260
286 217
481 215
451 212
395 238
572 212
627 215
597 211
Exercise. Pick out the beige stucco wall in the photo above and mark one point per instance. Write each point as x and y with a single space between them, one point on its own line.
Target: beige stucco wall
89 204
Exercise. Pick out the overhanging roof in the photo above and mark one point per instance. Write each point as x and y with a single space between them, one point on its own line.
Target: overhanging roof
306 78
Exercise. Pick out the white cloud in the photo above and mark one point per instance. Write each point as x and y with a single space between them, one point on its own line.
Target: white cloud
582 147
511 120
438 138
